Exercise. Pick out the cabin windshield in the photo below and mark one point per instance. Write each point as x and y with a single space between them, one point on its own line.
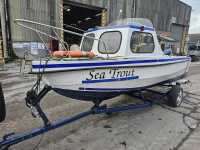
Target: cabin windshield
110 42
87 43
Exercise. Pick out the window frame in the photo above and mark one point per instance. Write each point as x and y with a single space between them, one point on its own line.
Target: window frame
87 36
106 47
143 52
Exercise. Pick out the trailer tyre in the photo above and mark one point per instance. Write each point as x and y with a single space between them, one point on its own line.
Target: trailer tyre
175 96
2 105
194 58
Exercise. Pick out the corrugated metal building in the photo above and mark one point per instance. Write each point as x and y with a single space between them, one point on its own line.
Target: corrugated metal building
171 16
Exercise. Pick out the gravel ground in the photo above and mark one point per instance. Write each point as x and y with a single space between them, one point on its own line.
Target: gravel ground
156 128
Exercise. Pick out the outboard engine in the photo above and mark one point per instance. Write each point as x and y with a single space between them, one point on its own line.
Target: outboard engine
2 105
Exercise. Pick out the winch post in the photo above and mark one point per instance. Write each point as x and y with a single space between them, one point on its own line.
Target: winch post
42 115
33 100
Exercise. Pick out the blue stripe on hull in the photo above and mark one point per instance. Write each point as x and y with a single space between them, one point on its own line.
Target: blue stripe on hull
97 64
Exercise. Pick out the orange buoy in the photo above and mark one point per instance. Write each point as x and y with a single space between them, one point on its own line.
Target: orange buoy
59 54
76 54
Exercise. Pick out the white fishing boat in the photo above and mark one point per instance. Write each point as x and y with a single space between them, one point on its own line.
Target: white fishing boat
123 58
127 58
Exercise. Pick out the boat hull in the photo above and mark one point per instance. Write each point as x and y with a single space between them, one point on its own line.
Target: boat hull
100 83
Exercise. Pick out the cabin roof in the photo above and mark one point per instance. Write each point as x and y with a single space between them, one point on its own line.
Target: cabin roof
132 26
134 23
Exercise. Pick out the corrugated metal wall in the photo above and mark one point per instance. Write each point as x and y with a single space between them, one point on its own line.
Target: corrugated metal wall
161 12
121 9
44 11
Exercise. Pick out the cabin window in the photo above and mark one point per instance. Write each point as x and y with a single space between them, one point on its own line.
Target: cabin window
110 42
87 43
142 42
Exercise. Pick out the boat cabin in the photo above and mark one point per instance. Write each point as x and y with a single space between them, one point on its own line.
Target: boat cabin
126 38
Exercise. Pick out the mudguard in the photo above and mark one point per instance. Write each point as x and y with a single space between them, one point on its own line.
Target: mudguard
2 105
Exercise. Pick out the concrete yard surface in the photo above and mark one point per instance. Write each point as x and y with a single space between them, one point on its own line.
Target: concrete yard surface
155 128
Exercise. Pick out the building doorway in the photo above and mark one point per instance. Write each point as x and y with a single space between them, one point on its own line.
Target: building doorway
79 18
178 34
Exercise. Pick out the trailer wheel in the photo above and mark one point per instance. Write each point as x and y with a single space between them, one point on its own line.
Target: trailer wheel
175 96
194 58
2 105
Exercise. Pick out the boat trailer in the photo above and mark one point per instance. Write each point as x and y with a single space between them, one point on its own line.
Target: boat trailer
33 101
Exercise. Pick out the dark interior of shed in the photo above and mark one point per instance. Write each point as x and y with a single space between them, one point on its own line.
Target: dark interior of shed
81 17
